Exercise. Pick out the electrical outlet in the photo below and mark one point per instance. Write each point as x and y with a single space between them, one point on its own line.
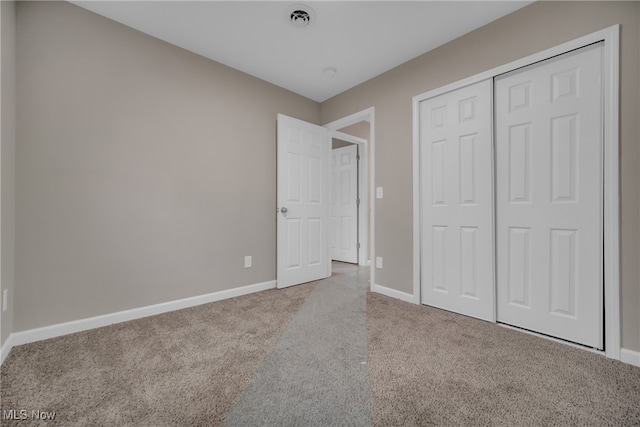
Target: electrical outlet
4 299
379 193
379 262
247 261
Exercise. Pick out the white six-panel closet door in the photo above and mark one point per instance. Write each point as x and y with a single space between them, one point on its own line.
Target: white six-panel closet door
549 196
457 265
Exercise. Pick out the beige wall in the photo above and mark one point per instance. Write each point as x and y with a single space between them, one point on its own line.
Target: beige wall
144 173
534 28
360 129
8 147
336 143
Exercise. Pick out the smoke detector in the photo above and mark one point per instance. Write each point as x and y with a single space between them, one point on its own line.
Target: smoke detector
301 15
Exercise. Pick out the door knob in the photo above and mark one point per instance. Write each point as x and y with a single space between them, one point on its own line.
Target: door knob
284 211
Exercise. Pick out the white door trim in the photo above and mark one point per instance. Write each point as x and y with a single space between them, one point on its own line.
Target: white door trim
611 37
367 115
348 138
362 192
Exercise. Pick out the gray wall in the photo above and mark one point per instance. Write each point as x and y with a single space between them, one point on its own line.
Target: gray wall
534 28
8 147
144 173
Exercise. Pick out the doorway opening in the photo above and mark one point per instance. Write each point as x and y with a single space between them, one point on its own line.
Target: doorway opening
358 129
348 227
344 238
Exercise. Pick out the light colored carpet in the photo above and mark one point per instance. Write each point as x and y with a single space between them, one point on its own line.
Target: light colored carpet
293 358
184 368
432 367
317 374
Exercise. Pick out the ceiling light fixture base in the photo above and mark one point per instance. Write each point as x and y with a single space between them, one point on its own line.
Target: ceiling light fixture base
330 72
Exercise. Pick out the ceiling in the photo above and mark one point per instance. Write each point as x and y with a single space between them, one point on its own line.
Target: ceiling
358 39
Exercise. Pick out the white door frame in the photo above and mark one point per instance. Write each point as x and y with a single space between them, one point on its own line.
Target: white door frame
611 38
367 197
362 191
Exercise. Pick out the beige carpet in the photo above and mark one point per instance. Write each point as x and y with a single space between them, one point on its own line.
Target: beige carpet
433 367
184 368
317 373
425 367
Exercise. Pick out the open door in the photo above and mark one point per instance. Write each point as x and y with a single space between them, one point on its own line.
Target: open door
302 202
344 204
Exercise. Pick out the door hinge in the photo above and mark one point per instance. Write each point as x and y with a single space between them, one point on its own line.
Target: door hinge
358 202
358 157
358 246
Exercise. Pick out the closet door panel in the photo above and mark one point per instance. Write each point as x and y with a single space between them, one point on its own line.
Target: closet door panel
457 263
549 196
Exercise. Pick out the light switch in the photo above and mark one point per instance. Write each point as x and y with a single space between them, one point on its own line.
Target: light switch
378 192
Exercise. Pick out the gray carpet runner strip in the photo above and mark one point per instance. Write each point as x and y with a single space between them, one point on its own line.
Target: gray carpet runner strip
316 375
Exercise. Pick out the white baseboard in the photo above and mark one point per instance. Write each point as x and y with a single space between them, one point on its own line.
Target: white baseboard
6 348
52 331
629 356
403 296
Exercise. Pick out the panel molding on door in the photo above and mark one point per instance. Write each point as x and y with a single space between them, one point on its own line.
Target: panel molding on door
302 202
549 197
457 263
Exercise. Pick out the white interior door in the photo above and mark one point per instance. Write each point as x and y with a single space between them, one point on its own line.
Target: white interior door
344 206
457 201
549 196
302 202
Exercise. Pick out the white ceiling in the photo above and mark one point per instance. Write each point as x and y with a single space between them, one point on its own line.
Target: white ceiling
360 39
